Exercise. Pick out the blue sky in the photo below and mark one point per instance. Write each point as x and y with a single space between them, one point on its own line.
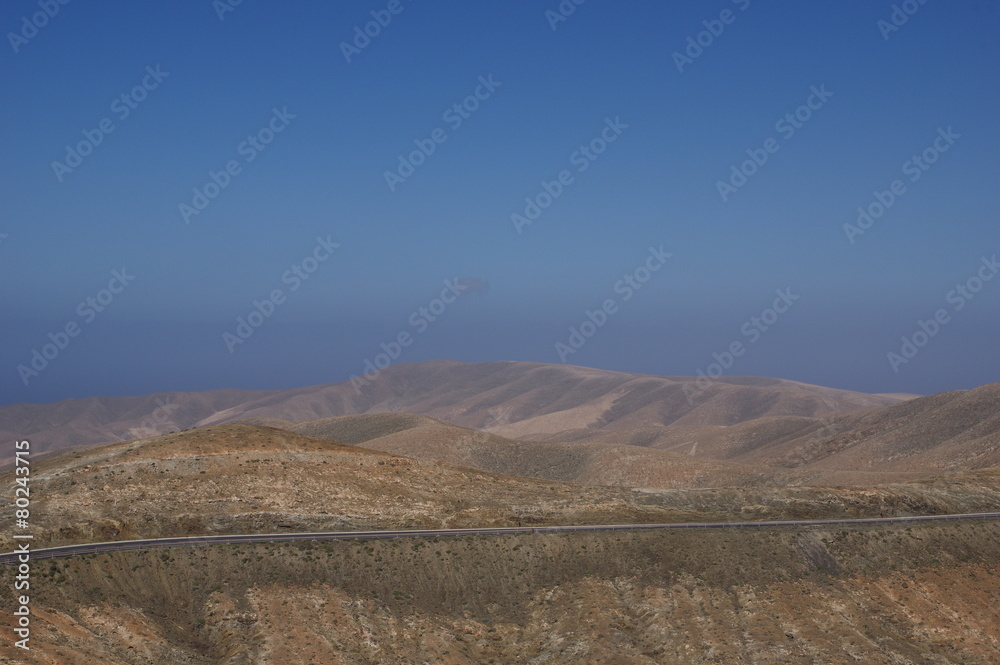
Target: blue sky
679 133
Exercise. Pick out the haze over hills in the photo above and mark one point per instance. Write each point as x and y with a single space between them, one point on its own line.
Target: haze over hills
512 399
580 425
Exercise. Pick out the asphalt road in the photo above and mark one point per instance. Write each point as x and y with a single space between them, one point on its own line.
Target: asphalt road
150 543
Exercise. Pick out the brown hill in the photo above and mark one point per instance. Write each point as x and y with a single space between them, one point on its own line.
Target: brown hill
97 420
251 479
947 431
901 593
890 595
513 399
944 432
589 462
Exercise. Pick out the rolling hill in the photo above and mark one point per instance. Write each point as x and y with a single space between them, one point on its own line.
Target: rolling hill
242 478
873 594
589 462
947 431
511 399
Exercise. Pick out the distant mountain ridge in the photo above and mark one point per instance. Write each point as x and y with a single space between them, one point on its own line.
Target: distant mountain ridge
508 398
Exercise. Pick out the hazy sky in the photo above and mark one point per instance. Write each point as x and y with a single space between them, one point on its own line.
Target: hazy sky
215 156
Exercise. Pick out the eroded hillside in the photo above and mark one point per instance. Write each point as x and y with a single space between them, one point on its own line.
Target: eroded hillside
258 479
514 399
880 596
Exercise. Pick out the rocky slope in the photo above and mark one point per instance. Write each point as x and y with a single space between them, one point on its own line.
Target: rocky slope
879 596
